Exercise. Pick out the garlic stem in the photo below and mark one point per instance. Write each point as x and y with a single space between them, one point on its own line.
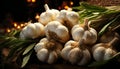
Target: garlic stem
86 26
113 42
46 7
116 28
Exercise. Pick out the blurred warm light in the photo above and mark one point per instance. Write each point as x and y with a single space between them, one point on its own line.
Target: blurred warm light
71 3
21 25
28 0
8 30
33 0
15 24
37 16
18 27
66 7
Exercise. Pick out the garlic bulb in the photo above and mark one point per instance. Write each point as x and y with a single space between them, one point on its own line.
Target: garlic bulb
68 18
72 18
48 50
49 15
76 53
32 30
62 16
104 51
87 33
55 30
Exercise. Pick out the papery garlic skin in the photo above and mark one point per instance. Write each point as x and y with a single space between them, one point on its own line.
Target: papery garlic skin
68 18
75 55
48 16
32 30
62 16
77 32
86 58
100 52
57 31
48 51
72 18
89 35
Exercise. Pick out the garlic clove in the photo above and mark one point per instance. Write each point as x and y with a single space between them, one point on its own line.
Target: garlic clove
39 29
49 15
31 31
98 53
42 54
39 46
77 33
52 26
97 45
109 53
22 36
60 30
62 16
28 31
65 51
56 13
44 40
86 58
90 37
52 57
69 43
74 55
72 17
55 31
46 17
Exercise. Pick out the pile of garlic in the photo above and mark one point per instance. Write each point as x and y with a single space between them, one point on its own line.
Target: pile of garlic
64 37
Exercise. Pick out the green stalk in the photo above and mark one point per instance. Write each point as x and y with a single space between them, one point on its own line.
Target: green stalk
108 24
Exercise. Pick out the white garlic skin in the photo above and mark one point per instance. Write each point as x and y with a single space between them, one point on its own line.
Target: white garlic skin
48 16
77 32
75 55
72 18
68 18
86 58
32 30
61 32
62 16
100 52
47 53
52 57
89 36
43 54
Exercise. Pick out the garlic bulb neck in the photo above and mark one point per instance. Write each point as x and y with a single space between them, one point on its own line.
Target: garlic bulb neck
113 42
46 7
51 45
86 26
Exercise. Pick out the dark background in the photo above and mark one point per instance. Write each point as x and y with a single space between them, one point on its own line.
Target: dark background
21 10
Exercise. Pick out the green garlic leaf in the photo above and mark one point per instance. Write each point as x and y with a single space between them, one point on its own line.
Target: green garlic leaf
29 48
26 59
